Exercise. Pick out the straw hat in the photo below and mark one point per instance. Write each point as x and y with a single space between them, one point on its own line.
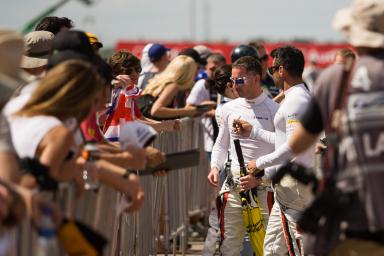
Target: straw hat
362 23
11 52
38 48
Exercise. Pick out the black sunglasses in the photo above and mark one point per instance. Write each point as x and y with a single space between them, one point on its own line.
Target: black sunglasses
264 57
129 71
273 69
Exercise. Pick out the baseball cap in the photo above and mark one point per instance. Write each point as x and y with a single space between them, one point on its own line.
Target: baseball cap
38 47
61 56
74 40
146 64
156 51
193 54
93 40
136 134
203 51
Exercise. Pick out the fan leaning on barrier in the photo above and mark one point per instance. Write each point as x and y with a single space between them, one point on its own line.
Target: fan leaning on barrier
253 220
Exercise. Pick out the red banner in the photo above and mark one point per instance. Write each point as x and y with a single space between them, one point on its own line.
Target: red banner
323 53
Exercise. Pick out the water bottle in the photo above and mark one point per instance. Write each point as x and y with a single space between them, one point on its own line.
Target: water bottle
46 245
91 181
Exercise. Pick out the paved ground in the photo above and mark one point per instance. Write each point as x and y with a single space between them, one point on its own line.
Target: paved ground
195 250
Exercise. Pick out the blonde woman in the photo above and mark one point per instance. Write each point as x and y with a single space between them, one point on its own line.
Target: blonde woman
44 127
158 96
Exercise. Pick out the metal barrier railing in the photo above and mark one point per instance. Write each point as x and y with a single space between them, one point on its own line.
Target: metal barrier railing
169 202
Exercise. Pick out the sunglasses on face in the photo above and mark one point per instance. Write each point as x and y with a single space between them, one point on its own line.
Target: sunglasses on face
239 81
264 57
273 69
129 71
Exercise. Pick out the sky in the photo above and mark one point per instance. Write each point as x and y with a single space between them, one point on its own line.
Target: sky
196 20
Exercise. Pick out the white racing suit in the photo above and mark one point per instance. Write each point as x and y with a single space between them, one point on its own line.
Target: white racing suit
232 229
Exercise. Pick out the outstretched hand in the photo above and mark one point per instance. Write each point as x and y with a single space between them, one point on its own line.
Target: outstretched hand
241 127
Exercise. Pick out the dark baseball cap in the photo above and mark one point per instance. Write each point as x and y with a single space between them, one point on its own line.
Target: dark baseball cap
193 54
61 56
74 40
156 51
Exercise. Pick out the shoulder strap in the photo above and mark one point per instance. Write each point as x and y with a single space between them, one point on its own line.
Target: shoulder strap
334 123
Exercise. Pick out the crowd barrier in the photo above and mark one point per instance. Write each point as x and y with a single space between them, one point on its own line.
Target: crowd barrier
169 203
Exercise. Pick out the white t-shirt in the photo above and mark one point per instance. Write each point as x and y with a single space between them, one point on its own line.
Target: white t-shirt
18 102
200 93
27 132
260 111
219 107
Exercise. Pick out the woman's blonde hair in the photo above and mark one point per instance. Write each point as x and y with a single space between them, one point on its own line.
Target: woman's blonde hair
68 90
181 71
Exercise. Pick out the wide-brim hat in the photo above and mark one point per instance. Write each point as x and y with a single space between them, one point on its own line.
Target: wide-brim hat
362 23
38 49
11 51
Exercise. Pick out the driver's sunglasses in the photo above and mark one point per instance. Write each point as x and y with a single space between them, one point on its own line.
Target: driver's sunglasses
273 69
240 81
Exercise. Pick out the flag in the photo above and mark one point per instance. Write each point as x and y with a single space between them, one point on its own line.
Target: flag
123 109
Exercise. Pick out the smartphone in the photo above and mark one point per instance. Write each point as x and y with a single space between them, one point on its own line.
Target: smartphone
203 108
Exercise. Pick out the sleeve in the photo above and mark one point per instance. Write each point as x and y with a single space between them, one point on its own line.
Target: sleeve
221 147
291 116
283 152
90 129
279 156
261 134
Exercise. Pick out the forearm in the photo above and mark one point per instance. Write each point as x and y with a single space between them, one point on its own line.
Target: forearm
9 168
218 159
219 153
121 159
263 135
164 112
158 126
66 172
279 156
110 147
112 176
